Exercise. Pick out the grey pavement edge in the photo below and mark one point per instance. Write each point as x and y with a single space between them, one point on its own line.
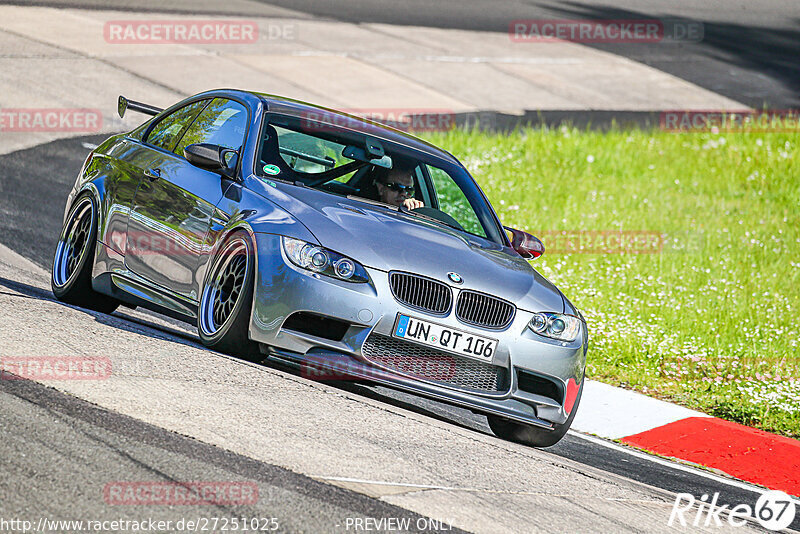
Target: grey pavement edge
41 172
57 453
748 51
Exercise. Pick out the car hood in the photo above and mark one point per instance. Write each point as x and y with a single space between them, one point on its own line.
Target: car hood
384 239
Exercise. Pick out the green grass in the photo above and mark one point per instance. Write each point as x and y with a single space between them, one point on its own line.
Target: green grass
711 321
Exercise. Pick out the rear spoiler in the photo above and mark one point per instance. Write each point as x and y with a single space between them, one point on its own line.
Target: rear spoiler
123 104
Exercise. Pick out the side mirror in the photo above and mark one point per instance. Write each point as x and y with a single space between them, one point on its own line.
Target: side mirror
212 158
526 245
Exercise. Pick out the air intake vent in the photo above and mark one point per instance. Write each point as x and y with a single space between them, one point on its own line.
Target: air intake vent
541 386
484 310
317 325
421 293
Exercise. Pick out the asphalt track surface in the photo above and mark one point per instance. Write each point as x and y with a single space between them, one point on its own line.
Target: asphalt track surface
33 188
748 52
57 453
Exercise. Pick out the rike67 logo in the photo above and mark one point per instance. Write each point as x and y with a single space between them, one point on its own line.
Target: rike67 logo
774 510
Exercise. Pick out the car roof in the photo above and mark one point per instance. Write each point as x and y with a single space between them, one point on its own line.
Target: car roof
345 121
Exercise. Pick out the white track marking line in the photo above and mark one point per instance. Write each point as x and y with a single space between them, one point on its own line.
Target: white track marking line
90 146
602 405
679 467
443 59
452 488
668 463
383 483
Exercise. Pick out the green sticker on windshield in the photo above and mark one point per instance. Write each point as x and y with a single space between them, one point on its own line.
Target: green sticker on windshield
269 182
271 169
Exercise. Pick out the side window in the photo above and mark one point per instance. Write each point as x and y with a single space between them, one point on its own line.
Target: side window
453 201
223 122
307 154
168 130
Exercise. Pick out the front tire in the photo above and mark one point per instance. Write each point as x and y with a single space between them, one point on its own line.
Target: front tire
71 279
531 435
223 318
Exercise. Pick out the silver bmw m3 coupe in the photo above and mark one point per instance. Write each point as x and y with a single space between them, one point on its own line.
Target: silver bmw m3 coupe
295 233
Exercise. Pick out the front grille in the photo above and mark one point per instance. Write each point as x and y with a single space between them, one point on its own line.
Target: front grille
483 310
434 365
421 293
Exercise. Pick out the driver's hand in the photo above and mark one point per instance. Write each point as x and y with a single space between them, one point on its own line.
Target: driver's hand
413 203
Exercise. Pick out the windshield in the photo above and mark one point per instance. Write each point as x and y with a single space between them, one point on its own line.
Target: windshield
355 165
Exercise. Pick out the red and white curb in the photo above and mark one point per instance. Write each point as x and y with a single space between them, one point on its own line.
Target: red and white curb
670 430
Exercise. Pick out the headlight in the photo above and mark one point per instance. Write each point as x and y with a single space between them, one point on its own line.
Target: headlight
323 261
555 325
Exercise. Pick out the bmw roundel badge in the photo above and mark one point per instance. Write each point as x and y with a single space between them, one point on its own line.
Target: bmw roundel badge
455 278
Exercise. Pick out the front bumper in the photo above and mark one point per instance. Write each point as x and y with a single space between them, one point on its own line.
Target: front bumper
370 310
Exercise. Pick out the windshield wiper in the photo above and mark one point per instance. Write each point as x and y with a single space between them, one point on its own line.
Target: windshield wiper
373 202
403 209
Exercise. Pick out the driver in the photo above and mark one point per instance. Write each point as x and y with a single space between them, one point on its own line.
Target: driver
396 187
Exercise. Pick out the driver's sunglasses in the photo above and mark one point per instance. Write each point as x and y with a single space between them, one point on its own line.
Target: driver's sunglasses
400 188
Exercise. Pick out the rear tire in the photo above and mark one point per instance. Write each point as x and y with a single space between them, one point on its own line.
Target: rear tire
223 318
529 434
71 278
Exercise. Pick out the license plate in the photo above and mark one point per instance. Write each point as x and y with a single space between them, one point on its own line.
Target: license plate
445 338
